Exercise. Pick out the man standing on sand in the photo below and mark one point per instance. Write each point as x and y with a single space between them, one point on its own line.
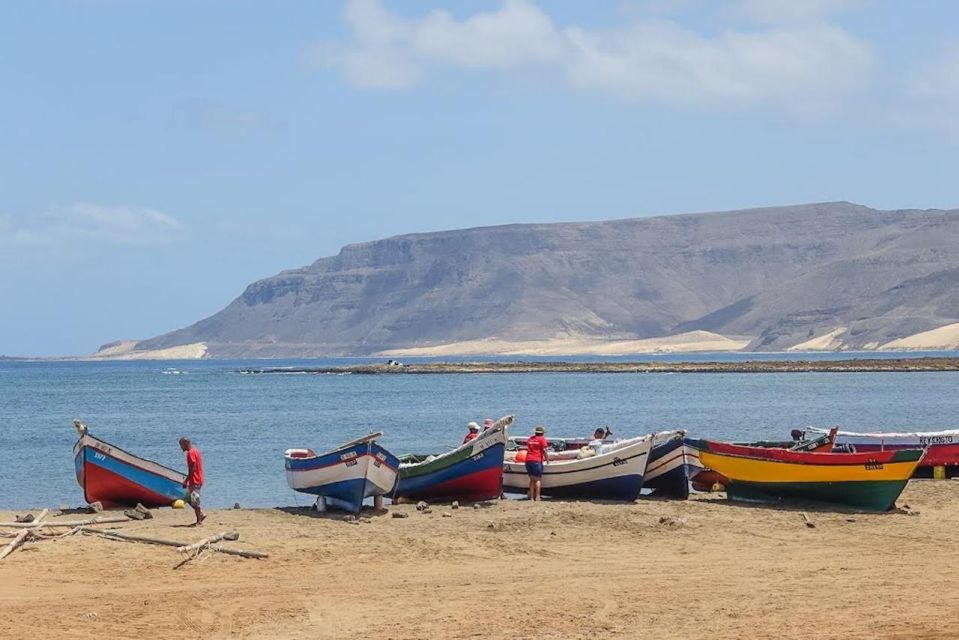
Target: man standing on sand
194 478
536 456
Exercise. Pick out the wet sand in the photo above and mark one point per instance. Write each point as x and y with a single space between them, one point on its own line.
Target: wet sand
655 569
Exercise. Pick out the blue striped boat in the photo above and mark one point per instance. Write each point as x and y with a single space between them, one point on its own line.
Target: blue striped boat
667 472
345 476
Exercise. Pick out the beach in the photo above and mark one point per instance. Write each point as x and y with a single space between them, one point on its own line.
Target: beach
506 569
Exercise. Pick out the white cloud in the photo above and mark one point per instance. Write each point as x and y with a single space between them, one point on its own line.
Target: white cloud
805 66
93 223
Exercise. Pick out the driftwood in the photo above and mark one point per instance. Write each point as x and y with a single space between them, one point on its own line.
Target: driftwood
237 552
19 540
197 546
119 535
36 524
126 537
21 537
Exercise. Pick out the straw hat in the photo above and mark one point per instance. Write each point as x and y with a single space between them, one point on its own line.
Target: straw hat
540 429
472 426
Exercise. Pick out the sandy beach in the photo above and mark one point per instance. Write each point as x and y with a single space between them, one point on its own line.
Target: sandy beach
514 569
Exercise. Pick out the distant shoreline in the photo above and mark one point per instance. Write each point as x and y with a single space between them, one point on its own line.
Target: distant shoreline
859 365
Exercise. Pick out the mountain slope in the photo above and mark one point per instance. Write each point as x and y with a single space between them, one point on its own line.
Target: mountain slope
779 276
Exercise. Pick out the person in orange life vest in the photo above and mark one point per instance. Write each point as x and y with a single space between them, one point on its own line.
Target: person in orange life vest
194 478
474 431
537 455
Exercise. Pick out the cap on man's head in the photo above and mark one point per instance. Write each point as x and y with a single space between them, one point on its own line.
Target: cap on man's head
540 429
472 426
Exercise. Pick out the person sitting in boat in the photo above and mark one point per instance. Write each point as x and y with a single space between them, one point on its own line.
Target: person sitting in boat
194 478
599 435
487 423
537 454
473 432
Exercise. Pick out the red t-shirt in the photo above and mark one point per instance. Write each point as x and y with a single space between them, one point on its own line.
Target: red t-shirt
535 448
194 465
469 436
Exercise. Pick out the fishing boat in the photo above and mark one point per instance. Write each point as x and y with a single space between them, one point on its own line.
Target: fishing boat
942 447
667 472
117 478
345 476
703 478
471 472
614 474
869 481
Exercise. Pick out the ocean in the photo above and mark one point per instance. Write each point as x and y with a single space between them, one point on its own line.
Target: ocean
243 422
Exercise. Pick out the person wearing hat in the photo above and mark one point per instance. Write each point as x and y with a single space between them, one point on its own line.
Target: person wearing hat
536 456
473 432
487 423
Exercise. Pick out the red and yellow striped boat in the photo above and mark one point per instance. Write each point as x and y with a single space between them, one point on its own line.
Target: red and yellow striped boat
870 481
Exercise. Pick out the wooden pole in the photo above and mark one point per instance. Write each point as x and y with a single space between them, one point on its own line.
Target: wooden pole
36 524
119 536
237 552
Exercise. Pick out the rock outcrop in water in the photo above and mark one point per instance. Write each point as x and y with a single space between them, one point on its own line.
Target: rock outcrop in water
829 276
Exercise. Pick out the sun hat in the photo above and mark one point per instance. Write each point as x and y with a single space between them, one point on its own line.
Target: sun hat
540 429
472 426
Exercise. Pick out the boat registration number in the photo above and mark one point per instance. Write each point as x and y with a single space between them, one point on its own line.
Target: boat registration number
872 465
98 456
935 440
348 456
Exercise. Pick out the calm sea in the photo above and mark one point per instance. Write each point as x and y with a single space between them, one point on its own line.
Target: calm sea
242 423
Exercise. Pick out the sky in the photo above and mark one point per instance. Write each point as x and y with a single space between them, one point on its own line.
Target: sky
158 156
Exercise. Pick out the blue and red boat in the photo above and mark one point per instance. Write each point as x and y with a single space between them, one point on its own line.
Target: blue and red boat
471 472
117 478
345 476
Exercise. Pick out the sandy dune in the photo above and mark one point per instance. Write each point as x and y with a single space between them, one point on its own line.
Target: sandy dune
826 342
511 570
691 341
124 350
946 337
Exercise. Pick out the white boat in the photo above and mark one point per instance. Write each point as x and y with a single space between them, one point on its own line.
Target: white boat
614 474
346 475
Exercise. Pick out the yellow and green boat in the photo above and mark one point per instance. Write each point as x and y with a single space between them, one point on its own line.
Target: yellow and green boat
870 481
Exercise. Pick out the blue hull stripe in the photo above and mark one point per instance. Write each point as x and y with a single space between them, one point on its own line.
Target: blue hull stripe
620 488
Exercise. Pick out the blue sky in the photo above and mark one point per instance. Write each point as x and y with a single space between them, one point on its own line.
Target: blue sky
156 157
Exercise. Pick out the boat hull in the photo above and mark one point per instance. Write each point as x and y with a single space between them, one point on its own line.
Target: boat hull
472 472
344 476
667 472
116 478
942 448
614 475
868 481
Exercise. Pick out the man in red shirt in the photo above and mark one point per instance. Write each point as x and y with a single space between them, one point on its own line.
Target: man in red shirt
194 478
474 431
536 456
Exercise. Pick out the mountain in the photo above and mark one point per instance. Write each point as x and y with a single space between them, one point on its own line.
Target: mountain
833 275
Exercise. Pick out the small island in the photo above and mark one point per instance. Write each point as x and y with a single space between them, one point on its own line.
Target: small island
857 365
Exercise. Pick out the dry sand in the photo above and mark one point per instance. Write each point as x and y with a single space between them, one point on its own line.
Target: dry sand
510 570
